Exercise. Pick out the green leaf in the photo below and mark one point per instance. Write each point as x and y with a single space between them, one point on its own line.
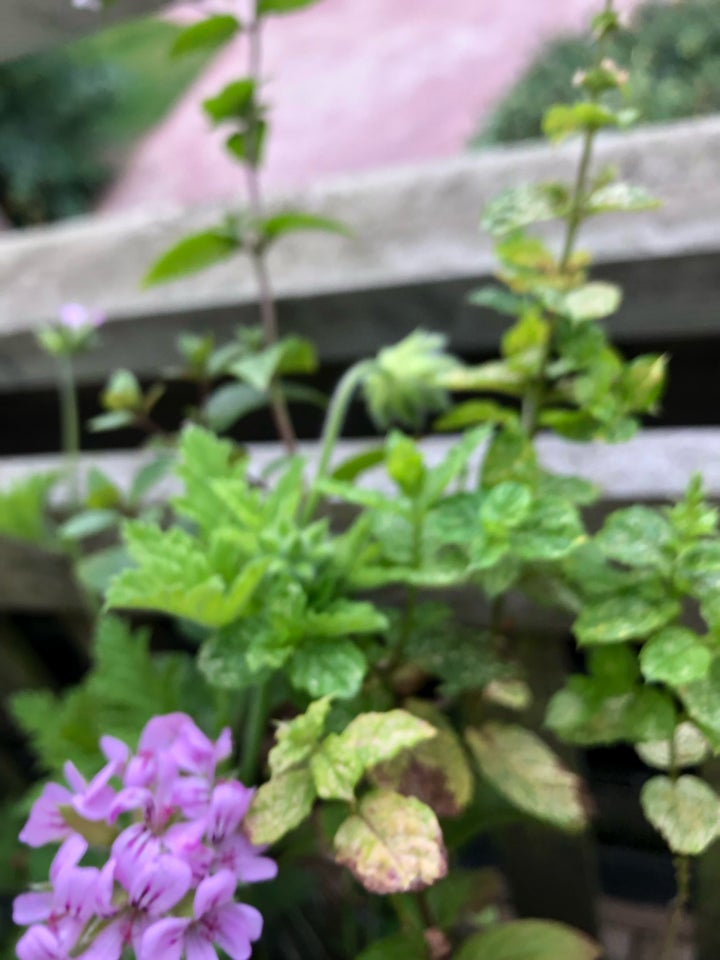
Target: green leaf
279 806
228 403
496 376
356 465
675 656
114 420
525 771
173 575
685 811
97 570
625 616
392 844
498 299
293 221
148 476
505 506
399 946
23 508
192 254
688 747
521 206
296 739
404 463
636 536
236 101
208 34
530 940
593 301
550 531
89 523
563 120
282 6
473 412
701 699
335 769
620 197
377 737
344 617
328 668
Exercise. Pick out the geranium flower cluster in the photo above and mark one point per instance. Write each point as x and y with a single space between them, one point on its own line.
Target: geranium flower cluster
176 852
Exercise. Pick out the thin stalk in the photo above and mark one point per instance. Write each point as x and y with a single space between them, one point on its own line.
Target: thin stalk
334 420
254 729
256 206
682 878
70 424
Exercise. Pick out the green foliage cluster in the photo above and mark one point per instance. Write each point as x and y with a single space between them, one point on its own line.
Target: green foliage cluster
321 596
673 54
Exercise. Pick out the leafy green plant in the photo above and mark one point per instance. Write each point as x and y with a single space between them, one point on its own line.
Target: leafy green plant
315 605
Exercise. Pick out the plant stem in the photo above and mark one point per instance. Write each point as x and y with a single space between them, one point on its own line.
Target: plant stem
256 205
70 424
682 877
254 728
334 420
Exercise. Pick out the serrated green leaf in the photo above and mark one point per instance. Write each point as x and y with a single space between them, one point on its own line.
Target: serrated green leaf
296 739
345 617
336 770
392 844
404 463
505 506
635 536
377 737
525 771
625 616
685 811
279 806
328 667
191 255
521 206
208 34
564 120
530 940
675 656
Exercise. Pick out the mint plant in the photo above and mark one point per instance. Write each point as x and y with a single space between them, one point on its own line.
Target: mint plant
316 614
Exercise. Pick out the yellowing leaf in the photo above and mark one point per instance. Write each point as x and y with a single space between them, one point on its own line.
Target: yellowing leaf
685 811
392 844
376 737
279 806
295 740
525 771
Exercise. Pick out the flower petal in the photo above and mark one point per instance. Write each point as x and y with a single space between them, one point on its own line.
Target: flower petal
213 892
46 824
115 750
228 806
69 855
160 885
160 732
38 943
223 745
164 940
191 795
32 908
245 860
132 850
236 925
75 779
198 947
75 891
108 944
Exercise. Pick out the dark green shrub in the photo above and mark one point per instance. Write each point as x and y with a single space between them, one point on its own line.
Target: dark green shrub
672 51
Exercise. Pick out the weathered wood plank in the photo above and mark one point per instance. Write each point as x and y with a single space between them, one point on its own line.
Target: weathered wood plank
415 251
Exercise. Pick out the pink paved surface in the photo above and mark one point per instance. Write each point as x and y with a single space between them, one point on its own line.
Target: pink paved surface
354 85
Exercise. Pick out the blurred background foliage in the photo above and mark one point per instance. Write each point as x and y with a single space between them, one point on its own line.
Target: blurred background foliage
57 153
673 54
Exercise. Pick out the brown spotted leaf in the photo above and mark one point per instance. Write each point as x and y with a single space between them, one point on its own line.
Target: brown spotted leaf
436 771
530 940
524 770
392 844
280 805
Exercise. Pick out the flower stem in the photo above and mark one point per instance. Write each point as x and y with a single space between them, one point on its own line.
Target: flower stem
682 878
334 420
69 424
254 729
256 205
